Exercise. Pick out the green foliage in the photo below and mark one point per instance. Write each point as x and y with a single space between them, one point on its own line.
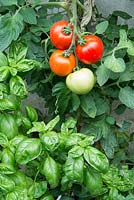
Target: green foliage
78 149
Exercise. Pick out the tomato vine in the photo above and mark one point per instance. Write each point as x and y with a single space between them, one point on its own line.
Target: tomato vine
79 148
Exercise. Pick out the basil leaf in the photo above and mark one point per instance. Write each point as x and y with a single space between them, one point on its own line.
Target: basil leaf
37 189
51 171
17 194
19 179
17 139
28 150
3 60
26 65
17 86
5 168
26 123
8 125
6 184
7 157
47 197
31 113
9 102
76 152
4 73
17 52
96 159
52 123
3 140
50 141
93 181
73 169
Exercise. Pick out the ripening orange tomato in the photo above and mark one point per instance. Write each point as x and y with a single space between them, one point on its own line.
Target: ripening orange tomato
60 64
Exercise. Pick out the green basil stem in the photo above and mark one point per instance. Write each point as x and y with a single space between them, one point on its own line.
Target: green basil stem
36 176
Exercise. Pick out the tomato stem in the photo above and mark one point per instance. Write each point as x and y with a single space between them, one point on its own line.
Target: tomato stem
66 53
113 51
73 21
63 5
67 30
81 5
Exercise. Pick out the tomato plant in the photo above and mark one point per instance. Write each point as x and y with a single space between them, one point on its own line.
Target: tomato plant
81 81
91 50
59 144
61 34
62 64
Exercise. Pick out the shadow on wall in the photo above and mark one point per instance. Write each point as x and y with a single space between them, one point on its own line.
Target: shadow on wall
107 7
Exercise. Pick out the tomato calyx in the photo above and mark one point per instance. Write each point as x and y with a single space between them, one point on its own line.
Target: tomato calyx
66 54
81 41
67 30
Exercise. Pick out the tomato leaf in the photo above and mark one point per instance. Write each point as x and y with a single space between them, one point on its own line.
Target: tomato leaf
124 42
75 100
126 96
10 28
122 14
109 144
8 2
128 74
29 15
100 129
123 38
99 100
115 64
63 96
101 27
103 74
89 108
130 49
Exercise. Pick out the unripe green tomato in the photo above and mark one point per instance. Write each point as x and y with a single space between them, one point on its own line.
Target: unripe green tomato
81 81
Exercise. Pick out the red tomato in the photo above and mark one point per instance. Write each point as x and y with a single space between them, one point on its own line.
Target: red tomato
91 51
59 37
60 64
